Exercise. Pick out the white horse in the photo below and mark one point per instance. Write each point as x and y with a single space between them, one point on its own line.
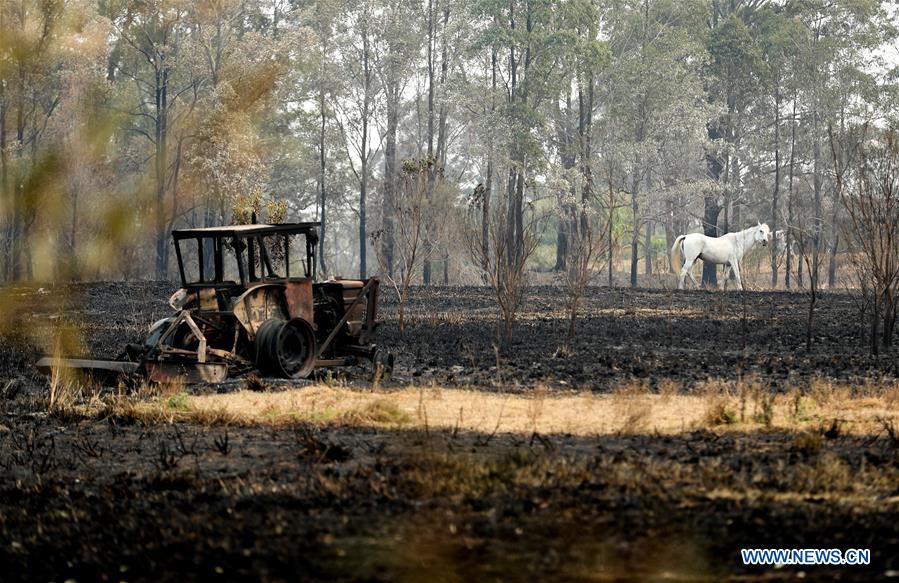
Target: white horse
727 249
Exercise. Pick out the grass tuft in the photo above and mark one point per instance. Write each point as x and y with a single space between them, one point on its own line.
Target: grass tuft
380 411
808 443
253 383
179 402
719 412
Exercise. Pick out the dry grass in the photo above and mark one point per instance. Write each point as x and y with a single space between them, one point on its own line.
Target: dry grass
378 412
632 408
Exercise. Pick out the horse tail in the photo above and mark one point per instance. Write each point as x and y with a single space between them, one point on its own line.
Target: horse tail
676 255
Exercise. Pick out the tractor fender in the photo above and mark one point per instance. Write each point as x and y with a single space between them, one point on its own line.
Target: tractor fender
258 304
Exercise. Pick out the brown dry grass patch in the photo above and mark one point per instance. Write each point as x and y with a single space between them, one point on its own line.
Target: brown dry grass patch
633 408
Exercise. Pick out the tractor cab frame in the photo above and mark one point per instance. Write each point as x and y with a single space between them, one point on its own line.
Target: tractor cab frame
250 300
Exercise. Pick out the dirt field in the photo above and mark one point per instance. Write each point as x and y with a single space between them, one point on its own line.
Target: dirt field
677 428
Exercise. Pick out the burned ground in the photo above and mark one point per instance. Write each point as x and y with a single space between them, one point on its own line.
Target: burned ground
653 335
176 503
113 496
451 335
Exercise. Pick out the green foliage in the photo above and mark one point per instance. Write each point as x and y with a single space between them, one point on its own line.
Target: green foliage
122 120
179 402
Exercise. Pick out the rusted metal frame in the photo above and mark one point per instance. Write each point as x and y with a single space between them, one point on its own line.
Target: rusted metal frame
371 309
220 353
237 328
360 351
201 259
224 354
246 305
218 259
48 363
184 316
180 262
287 256
266 260
192 372
310 257
343 320
347 360
167 352
238 253
201 351
198 317
251 260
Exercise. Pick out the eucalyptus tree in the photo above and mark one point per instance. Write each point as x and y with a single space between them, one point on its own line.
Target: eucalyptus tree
235 148
478 98
398 46
840 41
585 63
317 90
778 33
530 45
445 29
583 223
53 136
655 79
361 96
158 93
30 90
732 79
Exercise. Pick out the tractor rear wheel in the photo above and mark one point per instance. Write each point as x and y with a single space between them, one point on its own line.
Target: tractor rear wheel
286 348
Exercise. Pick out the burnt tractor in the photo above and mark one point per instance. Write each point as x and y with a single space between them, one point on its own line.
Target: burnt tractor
250 301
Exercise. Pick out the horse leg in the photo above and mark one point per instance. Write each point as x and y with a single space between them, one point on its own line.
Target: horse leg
736 267
686 270
728 270
693 279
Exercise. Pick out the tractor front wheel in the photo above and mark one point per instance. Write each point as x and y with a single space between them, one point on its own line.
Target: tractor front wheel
286 348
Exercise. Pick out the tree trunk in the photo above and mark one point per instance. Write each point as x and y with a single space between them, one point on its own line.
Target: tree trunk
518 207
711 208
774 197
670 228
390 182
426 264
568 159
813 299
363 193
817 184
609 233
710 229
834 216
442 109
889 317
161 127
321 180
562 244
510 211
635 236
5 191
488 192
485 217
875 323
790 218
832 263
441 120
363 179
